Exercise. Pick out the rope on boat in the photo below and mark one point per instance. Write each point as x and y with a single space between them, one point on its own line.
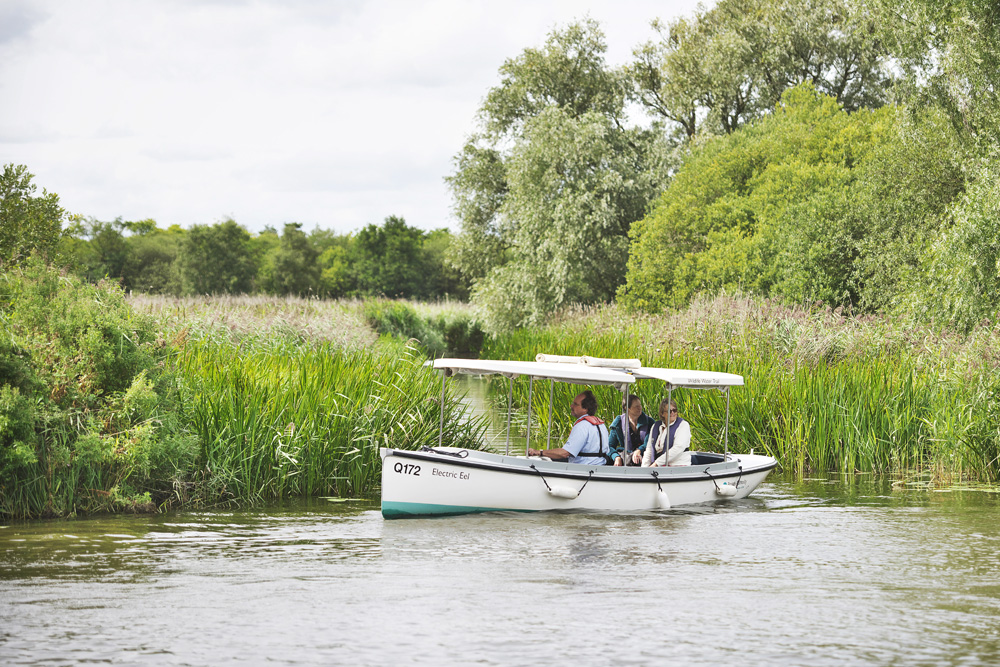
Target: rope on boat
664 499
562 492
461 454
656 476
717 489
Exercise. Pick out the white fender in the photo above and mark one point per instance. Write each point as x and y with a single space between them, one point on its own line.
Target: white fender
662 499
564 492
726 490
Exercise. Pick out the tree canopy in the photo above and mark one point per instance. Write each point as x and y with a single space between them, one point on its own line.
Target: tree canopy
547 189
28 222
765 210
730 64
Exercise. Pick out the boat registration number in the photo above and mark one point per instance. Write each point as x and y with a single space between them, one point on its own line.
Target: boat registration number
407 468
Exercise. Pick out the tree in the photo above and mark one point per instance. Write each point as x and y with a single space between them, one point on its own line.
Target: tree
576 184
764 209
292 267
100 250
950 50
542 209
335 251
960 281
217 259
388 260
28 222
729 65
443 278
151 265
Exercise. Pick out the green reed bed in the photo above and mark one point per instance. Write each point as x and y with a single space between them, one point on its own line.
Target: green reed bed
276 419
445 327
824 392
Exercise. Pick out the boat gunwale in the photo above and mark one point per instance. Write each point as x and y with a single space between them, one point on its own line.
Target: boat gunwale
600 473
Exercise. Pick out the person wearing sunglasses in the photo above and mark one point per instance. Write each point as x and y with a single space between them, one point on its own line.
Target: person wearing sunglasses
668 440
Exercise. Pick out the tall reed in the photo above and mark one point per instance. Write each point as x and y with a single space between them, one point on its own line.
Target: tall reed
277 418
823 392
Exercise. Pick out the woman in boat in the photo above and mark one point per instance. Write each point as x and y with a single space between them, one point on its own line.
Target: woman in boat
630 453
669 439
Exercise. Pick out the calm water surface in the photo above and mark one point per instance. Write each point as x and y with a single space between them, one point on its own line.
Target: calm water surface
810 573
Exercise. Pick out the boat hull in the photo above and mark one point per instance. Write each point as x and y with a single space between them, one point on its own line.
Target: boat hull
451 481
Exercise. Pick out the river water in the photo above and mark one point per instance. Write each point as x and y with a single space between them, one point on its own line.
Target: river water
817 572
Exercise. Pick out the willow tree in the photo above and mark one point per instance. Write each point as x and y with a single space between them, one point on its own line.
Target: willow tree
950 51
729 65
547 188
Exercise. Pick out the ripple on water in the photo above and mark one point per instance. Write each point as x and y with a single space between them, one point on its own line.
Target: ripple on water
815 573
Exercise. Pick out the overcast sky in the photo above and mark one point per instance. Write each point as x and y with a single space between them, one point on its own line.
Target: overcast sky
331 113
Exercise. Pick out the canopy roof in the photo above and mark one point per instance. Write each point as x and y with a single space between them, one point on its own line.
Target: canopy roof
580 373
572 373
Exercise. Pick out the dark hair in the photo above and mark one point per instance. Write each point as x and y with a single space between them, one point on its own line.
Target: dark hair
589 402
632 400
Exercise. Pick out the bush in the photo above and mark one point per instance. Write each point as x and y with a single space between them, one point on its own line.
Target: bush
86 410
452 331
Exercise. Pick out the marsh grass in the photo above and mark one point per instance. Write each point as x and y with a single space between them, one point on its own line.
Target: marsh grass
295 396
278 419
443 327
824 391
288 318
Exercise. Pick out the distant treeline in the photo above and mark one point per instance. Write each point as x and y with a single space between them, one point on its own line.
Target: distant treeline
391 259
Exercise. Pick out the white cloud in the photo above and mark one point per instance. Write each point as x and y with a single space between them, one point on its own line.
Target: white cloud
334 114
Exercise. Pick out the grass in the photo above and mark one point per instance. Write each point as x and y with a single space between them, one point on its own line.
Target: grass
254 399
824 392
276 419
339 322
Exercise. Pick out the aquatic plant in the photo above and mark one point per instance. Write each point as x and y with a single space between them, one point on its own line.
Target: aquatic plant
824 391
277 419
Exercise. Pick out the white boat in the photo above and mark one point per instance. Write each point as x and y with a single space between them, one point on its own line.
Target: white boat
445 480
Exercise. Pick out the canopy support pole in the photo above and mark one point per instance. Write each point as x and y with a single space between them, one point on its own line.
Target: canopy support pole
727 425
626 429
510 400
666 425
441 424
527 440
548 439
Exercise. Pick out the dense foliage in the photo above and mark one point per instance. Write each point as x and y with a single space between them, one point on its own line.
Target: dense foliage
105 408
729 65
90 418
772 164
547 189
810 204
28 222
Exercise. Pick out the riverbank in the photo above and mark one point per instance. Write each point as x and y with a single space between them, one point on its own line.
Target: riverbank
116 405
113 403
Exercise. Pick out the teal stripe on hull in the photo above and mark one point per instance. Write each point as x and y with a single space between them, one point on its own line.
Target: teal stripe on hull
394 510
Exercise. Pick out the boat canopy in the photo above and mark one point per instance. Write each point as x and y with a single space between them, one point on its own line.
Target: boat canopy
590 373
561 372
677 377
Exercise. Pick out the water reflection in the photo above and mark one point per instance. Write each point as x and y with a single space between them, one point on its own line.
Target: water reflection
810 572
